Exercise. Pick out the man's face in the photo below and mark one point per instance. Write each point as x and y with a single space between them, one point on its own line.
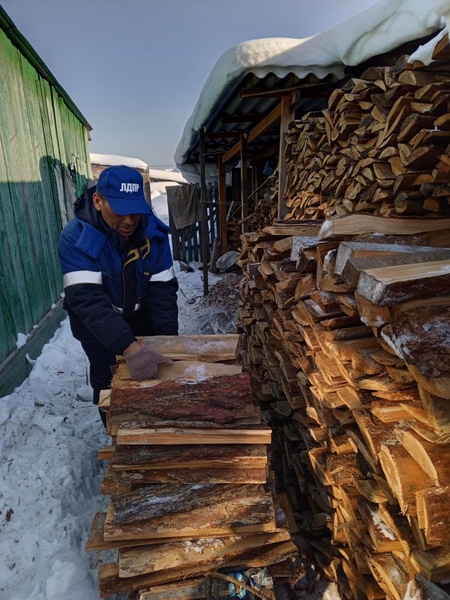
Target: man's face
125 225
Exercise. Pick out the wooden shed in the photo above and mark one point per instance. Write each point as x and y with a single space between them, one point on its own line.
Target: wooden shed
344 300
238 132
44 165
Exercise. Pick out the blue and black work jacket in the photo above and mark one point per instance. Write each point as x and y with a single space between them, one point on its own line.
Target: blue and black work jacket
108 281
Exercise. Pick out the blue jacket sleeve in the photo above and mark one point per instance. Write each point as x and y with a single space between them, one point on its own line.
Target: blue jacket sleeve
94 310
88 301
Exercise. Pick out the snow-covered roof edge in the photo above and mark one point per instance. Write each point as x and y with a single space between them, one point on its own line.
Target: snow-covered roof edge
166 175
378 29
110 160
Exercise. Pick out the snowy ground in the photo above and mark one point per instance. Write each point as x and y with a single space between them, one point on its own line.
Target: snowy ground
50 476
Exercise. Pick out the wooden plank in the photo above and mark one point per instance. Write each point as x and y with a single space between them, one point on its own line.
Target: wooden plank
197 457
186 370
203 475
234 518
191 589
158 557
153 501
209 402
206 348
174 436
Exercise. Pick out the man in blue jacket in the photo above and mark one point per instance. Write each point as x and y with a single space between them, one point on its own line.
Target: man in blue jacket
118 277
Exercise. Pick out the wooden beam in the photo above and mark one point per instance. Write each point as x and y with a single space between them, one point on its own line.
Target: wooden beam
287 115
265 123
222 207
232 151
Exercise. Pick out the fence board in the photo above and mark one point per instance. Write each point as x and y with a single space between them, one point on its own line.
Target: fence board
187 242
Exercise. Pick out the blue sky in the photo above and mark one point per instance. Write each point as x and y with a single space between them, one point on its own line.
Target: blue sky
135 68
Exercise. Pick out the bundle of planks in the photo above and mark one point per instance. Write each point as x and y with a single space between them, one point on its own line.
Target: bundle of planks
346 325
187 475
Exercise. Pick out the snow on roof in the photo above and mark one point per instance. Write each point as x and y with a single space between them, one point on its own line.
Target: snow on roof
110 160
382 27
166 175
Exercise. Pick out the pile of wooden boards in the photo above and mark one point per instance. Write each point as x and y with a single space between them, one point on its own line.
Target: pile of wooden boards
187 475
346 324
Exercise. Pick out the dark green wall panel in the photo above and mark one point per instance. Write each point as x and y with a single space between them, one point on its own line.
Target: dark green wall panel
39 138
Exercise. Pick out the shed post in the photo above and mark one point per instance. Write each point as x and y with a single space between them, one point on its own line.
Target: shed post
287 115
222 207
203 202
244 183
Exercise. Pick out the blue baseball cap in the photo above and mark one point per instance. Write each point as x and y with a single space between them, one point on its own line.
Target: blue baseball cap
123 187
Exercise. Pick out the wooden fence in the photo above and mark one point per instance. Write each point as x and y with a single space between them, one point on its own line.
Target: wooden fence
187 242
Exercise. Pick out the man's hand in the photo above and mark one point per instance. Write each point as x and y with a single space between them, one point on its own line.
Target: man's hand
143 361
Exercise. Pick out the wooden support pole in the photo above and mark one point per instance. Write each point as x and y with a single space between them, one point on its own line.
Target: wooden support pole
222 207
244 184
287 115
204 200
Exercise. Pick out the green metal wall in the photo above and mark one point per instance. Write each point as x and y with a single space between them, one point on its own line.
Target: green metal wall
39 138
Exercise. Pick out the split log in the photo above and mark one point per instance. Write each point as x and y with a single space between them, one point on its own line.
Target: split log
433 507
421 336
404 476
421 588
433 458
383 537
391 285
354 257
366 224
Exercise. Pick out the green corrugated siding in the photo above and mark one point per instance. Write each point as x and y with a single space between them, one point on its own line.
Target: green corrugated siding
39 138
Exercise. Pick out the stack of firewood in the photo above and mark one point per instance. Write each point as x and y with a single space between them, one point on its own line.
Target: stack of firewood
187 476
381 146
346 325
